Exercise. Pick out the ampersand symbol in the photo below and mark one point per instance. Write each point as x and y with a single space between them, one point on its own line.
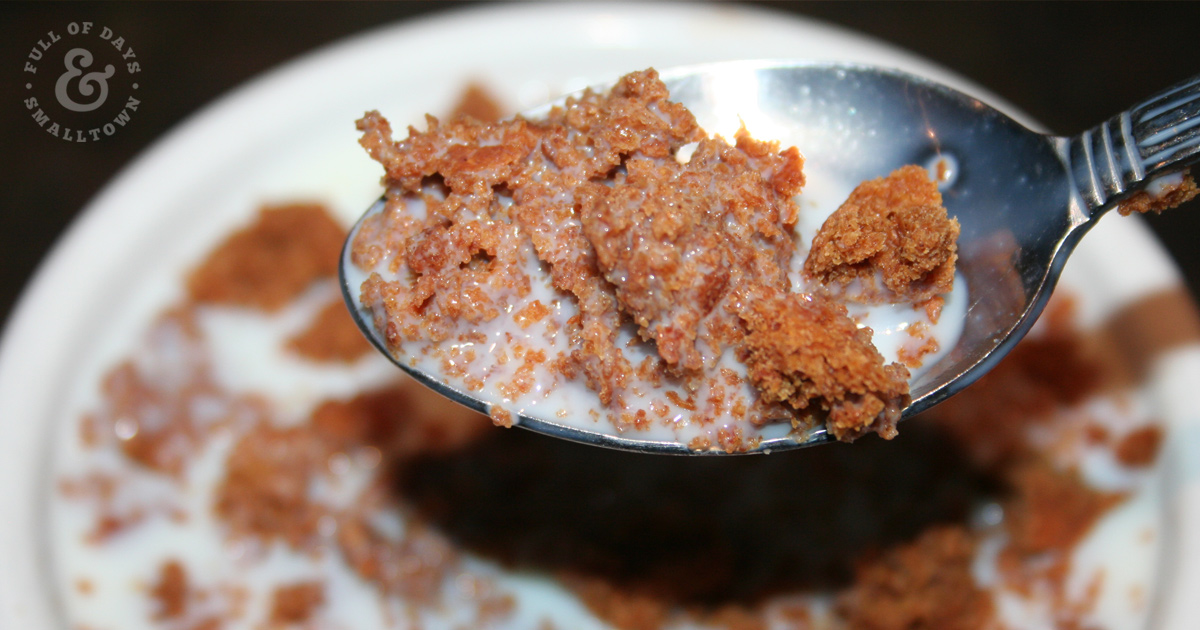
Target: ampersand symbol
87 84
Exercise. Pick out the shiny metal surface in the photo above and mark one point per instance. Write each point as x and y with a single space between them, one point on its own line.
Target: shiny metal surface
1023 199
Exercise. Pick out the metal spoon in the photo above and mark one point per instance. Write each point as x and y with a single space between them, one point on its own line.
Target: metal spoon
1023 199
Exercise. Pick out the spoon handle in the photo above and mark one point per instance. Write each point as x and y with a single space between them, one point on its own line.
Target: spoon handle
1156 136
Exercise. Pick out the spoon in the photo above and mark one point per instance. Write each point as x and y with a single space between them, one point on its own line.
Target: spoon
1023 199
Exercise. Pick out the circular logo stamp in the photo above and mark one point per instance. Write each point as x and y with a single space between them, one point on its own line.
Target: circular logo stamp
81 82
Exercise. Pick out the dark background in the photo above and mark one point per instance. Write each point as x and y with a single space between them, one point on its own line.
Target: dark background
1069 65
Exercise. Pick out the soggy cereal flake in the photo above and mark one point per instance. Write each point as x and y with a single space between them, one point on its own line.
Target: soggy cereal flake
1174 192
809 354
892 229
296 603
925 584
332 336
271 261
478 102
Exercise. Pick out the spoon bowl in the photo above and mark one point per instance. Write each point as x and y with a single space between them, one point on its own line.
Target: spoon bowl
1023 199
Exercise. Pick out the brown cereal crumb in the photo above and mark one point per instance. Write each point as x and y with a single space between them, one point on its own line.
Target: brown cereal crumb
1052 509
915 357
944 170
1089 600
797 615
933 308
109 525
524 380
112 517
400 421
296 603
332 336
809 353
90 428
170 592
682 403
422 557
85 586
209 623
676 239
912 354
895 226
1139 447
1096 434
729 439
532 313
273 260
627 611
1143 202
1136 336
479 103
493 603
502 417
265 492
497 607
927 584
